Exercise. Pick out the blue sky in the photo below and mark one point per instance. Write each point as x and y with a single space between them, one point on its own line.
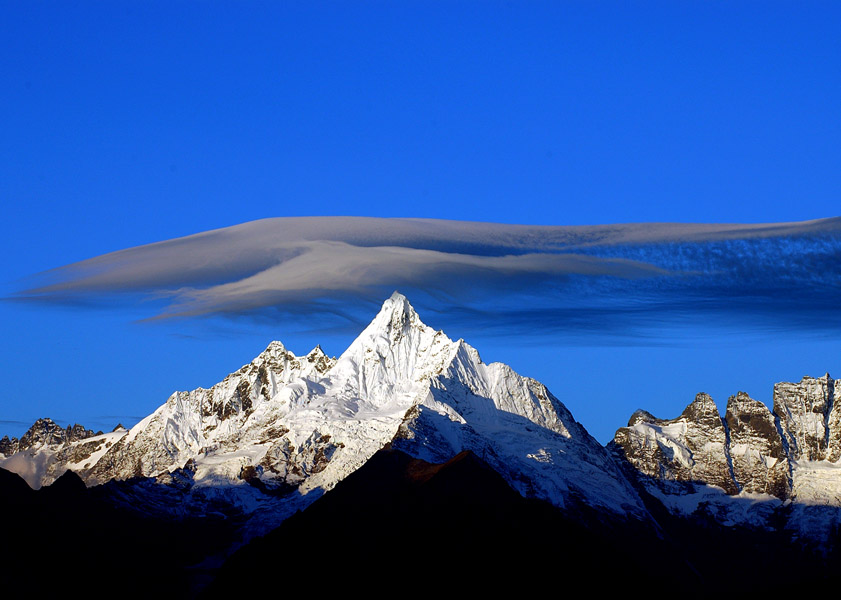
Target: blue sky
138 122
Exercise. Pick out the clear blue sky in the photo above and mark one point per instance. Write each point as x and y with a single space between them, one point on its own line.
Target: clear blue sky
133 122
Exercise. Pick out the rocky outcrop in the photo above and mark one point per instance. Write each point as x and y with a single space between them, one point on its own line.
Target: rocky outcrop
45 432
690 448
9 446
809 419
763 452
756 448
46 451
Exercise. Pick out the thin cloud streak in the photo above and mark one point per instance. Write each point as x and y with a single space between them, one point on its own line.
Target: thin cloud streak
621 280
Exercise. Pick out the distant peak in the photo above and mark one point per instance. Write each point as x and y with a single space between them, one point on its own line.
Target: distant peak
275 346
395 322
742 402
703 399
642 416
740 397
43 424
274 350
824 378
47 431
397 313
397 302
702 410
743 406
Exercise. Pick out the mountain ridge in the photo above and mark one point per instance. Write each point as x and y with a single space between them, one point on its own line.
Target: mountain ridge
755 466
269 445
292 427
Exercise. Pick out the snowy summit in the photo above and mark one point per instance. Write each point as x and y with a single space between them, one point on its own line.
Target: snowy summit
294 426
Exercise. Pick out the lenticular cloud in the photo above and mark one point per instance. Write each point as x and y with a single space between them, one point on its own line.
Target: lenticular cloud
552 279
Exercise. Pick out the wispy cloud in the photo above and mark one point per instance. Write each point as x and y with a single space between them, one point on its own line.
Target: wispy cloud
611 279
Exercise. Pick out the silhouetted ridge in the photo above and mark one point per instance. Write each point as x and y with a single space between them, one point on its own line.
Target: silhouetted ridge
401 523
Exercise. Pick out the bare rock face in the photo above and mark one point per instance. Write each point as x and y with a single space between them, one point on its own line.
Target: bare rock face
42 432
47 450
690 448
756 448
809 418
9 446
788 454
45 432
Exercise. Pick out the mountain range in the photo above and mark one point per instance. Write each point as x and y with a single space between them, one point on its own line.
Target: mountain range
407 444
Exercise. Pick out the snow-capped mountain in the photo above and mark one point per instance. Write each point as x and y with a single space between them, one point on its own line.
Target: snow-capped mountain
410 442
754 466
408 426
47 450
293 427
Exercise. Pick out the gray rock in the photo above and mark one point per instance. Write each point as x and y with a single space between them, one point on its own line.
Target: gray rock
805 410
756 448
690 448
751 450
9 446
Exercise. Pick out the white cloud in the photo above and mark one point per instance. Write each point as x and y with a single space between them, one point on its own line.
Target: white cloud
295 263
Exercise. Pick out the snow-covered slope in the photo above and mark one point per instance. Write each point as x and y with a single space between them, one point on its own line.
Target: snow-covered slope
293 427
202 423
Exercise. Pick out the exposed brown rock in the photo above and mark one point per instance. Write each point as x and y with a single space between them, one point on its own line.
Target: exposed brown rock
756 448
